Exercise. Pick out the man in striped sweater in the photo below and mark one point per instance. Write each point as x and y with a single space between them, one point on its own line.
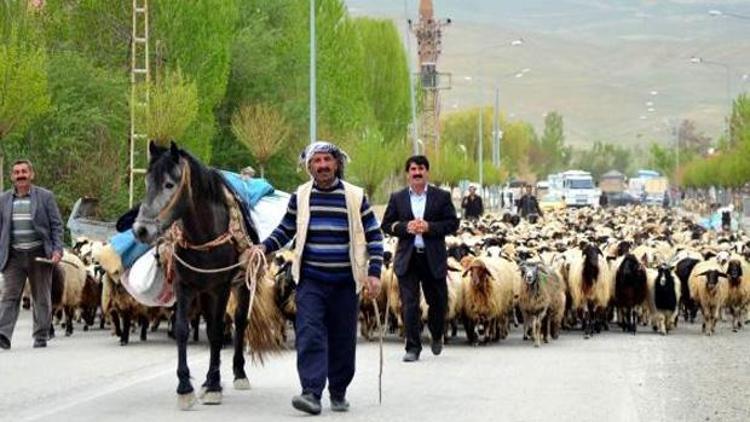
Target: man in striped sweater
336 234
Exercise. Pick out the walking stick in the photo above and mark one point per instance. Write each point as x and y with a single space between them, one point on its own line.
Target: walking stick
380 340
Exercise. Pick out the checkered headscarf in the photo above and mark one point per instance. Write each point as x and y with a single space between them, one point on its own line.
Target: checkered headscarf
325 147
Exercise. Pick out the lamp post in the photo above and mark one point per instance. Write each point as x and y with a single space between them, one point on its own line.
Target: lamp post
313 111
701 60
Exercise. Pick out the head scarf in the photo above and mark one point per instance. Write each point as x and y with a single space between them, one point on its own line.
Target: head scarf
324 147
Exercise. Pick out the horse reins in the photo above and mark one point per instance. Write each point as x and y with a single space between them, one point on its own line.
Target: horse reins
184 182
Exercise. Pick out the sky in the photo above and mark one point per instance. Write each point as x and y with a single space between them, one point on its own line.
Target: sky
618 71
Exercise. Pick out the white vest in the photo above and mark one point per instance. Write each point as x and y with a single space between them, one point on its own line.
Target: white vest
357 241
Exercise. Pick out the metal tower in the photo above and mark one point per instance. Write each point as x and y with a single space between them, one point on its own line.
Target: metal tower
428 32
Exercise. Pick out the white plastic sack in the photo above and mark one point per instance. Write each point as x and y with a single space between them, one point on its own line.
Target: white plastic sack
268 212
145 281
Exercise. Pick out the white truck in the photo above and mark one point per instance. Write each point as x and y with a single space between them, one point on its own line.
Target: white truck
579 189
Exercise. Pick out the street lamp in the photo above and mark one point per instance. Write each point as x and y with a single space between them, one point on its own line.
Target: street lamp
701 60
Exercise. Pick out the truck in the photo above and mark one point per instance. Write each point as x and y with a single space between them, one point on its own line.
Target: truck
649 186
578 189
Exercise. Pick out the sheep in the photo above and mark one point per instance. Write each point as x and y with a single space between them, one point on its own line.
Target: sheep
393 299
684 265
542 301
738 290
487 298
455 294
709 292
589 283
664 289
631 290
70 273
121 308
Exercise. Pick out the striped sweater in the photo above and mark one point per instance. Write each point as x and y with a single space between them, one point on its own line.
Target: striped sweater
326 253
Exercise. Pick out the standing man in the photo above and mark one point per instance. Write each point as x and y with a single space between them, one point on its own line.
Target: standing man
472 204
30 228
336 232
421 216
528 206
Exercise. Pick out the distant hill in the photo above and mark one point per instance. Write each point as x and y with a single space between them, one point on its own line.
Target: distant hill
594 61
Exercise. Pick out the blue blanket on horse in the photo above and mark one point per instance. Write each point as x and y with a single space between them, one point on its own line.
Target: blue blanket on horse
248 192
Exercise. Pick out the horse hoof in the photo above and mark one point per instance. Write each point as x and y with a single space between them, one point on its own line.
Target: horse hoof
210 397
186 401
242 384
586 336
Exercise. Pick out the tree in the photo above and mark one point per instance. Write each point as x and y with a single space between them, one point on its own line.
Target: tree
386 76
173 106
662 159
262 129
552 143
23 91
372 160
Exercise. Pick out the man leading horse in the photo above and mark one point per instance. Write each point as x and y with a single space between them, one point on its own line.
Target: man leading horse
336 233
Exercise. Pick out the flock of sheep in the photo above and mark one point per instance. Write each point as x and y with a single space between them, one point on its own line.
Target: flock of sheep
586 268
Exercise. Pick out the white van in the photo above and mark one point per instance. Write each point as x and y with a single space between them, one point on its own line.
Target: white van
579 189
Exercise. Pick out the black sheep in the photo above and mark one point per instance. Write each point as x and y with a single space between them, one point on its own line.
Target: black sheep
631 289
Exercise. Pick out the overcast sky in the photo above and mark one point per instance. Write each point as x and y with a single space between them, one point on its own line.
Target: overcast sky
597 62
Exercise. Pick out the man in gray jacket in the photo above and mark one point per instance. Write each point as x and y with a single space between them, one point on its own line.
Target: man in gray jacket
30 228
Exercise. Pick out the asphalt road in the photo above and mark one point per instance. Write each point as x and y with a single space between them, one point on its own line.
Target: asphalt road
612 377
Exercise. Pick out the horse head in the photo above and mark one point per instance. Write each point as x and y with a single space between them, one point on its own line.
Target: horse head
167 196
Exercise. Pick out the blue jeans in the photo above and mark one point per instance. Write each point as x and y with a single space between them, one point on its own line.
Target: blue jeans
326 336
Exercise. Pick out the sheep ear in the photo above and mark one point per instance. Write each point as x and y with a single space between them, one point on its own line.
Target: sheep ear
721 274
704 273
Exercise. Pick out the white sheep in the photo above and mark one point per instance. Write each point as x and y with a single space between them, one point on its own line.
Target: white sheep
708 285
738 290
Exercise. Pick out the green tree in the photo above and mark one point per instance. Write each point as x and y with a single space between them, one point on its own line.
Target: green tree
662 159
23 92
173 106
386 76
196 36
552 143
372 160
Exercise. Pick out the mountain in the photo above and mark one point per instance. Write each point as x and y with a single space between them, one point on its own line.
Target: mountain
596 62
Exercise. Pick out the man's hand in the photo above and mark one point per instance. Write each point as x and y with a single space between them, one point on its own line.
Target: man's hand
412 227
259 247
56 257
372 288
422 226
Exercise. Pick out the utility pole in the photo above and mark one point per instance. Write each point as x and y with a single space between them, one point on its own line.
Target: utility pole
313 110
139 90
480 153
428 32
496 130
412 96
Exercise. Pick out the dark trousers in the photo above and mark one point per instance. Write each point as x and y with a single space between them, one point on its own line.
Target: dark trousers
326 336
436 294
22 265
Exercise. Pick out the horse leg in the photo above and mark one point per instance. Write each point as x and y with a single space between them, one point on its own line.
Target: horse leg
214 312
240 324
185 394
125 334
69 310
143 321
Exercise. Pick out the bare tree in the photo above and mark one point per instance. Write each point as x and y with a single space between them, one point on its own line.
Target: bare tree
262 129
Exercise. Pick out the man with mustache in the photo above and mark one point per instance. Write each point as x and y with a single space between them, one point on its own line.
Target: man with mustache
421 216
30 228
335 233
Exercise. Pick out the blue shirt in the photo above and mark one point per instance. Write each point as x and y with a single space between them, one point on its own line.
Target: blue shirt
418 203
326 253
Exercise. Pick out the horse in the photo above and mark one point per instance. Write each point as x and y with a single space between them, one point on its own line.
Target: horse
182 191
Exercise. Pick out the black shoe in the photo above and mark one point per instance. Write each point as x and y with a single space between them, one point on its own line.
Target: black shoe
339 405
40 342
4 342
307 403
436 346
411 357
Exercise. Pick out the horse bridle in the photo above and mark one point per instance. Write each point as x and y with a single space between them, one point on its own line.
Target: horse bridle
184 181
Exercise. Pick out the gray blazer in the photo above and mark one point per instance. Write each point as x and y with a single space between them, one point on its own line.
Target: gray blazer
44 214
